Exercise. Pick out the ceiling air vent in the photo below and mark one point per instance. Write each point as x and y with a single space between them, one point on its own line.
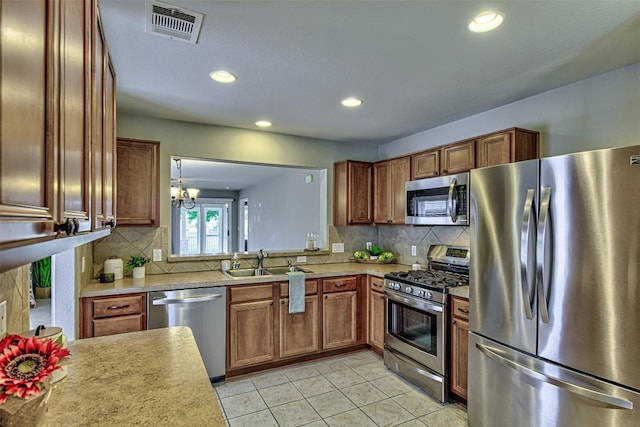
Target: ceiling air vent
169 21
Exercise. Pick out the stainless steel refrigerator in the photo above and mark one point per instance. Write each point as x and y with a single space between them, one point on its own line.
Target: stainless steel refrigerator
555 292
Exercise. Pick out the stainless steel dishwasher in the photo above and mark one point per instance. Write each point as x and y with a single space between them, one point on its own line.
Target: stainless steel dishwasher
201 309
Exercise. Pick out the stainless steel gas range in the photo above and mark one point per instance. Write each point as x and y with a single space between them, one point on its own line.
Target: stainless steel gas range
416 316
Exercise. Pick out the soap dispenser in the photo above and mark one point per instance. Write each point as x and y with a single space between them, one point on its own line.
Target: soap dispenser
235 261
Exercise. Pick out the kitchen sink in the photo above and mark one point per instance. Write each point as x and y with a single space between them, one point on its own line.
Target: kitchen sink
247 272
284 270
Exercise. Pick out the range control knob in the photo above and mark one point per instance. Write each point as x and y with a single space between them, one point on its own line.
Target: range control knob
420 293
408 290
429 295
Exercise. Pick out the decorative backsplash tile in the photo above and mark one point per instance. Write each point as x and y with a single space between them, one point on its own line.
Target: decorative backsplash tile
14 288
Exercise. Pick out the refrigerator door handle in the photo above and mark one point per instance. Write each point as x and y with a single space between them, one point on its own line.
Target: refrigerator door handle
452 202
199 298
543 258
607 399
528 216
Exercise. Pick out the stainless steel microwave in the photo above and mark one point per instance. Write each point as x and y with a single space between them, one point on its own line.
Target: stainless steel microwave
438 201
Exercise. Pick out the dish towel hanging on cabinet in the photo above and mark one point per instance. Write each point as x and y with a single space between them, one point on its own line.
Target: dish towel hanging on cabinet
296 292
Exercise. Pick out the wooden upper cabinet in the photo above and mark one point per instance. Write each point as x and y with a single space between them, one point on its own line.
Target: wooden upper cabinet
103 125
459 157
389 190
138 162
26 155
74 135
425 164
352 193
510 145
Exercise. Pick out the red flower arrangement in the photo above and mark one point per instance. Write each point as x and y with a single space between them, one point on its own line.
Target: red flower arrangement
25 363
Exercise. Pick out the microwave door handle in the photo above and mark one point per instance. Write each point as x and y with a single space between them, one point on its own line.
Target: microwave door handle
452 202
528 217
543 255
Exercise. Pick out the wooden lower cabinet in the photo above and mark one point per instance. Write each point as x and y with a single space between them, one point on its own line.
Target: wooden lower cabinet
376 313
251 333
339 323
299 331
459 345
114 314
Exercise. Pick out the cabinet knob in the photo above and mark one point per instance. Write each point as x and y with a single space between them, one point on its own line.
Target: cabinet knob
111 223
282 302
445 171
453 322
76 225
326 297
66 226
271 303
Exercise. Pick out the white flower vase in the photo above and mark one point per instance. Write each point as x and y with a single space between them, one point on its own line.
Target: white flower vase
138 272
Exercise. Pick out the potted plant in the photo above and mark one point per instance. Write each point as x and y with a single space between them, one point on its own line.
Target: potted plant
136 264
374 251
41 278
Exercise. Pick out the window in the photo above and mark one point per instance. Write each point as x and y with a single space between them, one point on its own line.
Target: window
204 229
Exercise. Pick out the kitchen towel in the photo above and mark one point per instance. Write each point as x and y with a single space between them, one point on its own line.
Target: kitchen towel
296 292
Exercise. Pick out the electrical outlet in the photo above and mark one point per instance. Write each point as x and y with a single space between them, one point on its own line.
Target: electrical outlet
157 254
337 247
3 318
369 245
84 264
414 250
301 258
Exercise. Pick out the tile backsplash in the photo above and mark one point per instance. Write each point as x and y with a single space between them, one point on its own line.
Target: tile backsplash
126 241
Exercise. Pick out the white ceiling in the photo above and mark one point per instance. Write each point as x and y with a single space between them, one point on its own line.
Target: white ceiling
414 63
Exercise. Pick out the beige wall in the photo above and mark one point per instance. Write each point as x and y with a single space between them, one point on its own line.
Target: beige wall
223 143
14 288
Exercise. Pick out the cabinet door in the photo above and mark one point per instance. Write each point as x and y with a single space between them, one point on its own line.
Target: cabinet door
383 203
74 141
299 331
400 174
360 190
109 135
138 162
425 164
458 157
26 158
459 350
98 216
251 333
376 319
339 319
494 150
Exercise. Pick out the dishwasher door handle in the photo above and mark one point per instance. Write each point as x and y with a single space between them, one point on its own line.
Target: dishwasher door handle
188 300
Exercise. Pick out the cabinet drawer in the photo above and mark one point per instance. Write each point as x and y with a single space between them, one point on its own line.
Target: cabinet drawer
251 293
460 308
118 325
310 288
119 306
376 283
339 284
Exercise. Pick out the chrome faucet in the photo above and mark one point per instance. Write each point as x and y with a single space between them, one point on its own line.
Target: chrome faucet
262 254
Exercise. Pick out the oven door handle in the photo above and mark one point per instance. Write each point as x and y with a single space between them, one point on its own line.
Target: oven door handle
413 302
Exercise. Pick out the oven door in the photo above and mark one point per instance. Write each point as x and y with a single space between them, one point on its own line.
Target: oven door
416 329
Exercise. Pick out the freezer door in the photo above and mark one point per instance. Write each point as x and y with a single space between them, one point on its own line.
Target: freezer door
508 388
503 238
589 263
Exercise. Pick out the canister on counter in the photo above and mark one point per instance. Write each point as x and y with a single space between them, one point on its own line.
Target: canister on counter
115 266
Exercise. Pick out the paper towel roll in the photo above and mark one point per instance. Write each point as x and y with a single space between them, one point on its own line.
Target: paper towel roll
115 266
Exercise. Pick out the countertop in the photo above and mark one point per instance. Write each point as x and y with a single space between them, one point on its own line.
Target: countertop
153 377
460 291
203 279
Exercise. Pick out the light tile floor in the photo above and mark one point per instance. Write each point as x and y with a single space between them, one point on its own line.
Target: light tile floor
349 390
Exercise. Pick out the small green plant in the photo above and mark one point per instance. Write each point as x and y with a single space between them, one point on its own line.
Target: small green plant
360 255
386 256
41 273
136 261
375 250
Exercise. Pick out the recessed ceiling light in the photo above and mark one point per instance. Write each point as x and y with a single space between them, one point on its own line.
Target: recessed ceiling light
263 123
222 76
486 21
351 102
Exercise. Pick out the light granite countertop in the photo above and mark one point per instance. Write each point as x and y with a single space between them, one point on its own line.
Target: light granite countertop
203 279
154 377
460 291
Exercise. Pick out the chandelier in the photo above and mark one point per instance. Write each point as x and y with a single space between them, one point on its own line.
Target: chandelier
181 197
